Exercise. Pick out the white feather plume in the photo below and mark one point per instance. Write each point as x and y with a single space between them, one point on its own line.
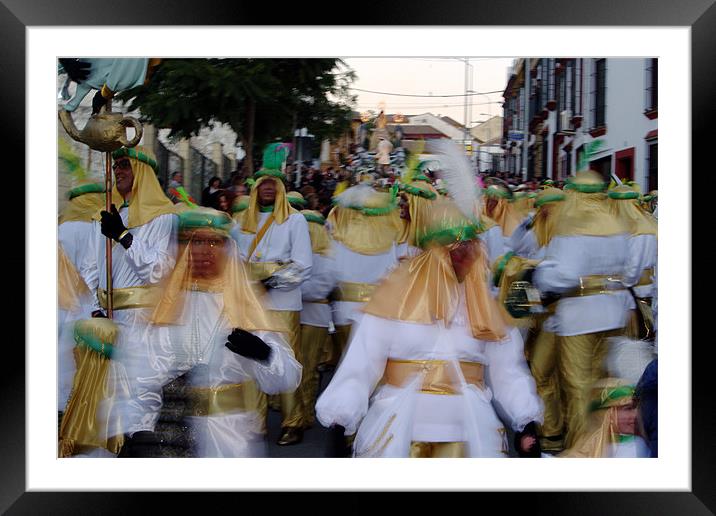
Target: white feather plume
355 196
458 176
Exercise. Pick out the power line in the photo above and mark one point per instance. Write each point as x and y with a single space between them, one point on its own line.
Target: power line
428 96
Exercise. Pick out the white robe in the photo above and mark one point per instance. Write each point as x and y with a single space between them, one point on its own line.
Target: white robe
318 287
566 259
140 348
354 267
202 341
287 242
642 255
410 415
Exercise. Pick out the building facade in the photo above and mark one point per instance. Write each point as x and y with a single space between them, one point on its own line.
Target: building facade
600 111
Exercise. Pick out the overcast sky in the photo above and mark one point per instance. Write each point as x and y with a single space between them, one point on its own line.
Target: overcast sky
430 76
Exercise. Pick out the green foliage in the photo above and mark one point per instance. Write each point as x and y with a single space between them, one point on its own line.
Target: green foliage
261 99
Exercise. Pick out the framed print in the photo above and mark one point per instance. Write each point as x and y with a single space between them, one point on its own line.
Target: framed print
680 35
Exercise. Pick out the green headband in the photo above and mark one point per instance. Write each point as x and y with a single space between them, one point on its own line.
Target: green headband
240 206
296 200
310 217
491 191
586 188
413 190
623 195
549 198
617 393
449 235
135 154
199 219
84 189
270 172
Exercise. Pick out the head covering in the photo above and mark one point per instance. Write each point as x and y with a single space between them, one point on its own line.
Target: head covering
240 204
504 212
547 183
602 425
85 202
365 220
275 155
296 200
243 298
320 241
548 203
425 288
148 200
71 288
623 204
585 210
420 194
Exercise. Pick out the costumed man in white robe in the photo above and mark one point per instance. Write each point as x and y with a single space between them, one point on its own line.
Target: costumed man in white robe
273 239
316 317
498 207
541 343
144 253
364 226
75 233
208 299
433 342
641 258
584 263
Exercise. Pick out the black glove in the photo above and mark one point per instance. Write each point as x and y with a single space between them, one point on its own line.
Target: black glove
529 430
111 224
526 275
97 102
337 444
98 313
248 345
270 282
76 69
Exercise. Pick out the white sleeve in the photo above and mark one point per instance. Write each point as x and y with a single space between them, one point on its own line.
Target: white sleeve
345 400
556 273
88 266
514 389
301 255
642 254
153 250
282 372
322 280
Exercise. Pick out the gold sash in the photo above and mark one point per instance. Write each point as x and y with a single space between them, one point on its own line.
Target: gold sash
596 284
260 235
355 292
131 297
213 401
646 277
261 270
439 375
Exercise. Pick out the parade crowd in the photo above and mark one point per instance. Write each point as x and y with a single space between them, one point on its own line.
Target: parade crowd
463 314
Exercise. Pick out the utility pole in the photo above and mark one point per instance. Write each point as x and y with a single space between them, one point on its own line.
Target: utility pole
526 135
467 66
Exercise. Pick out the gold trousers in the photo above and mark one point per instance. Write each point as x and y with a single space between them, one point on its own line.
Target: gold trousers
291 403
432 450
580 363
313 341
543 365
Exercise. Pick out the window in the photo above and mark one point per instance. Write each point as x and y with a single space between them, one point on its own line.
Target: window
599 93
653 166
652 84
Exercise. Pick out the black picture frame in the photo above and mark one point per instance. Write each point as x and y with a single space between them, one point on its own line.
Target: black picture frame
16 15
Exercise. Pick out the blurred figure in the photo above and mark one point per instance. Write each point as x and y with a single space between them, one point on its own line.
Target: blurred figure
222 201
583 266
611 430
208 300
274 240
208 192
431 350
647 396
498 207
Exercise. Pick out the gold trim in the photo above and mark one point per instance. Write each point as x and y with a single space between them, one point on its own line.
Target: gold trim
355 292
596 284
212 401
379 438
132 297
439 379
261 270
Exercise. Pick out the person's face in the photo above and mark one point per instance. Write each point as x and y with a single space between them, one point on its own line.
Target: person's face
215 183
626 419
490 205
177 178
463 256
206 254
224 203
241 189
123 176
404 207
267 192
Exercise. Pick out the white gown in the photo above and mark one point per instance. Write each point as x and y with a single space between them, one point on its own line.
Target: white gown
389 419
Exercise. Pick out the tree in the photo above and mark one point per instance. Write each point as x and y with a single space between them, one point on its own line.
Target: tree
261 99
